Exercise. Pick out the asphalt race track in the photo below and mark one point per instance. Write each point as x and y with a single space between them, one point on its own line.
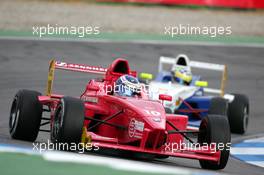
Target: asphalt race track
24 65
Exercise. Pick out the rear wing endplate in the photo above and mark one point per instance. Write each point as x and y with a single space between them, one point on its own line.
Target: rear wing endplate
201 65
70 67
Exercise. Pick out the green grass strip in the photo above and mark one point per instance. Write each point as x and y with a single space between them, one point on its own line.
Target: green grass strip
22 164
143 37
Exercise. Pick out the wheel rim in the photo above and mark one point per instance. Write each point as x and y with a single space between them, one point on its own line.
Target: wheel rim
245 120
13 115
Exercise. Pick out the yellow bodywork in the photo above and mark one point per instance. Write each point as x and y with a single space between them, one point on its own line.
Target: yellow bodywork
50 77
223 81
86 138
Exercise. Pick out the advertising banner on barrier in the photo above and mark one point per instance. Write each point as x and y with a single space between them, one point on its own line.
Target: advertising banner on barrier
248 4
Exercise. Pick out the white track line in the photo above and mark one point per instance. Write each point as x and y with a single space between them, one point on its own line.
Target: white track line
255 140
15 149
115 163
257 163
247 151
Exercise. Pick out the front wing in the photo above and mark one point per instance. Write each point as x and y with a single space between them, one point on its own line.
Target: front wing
203 153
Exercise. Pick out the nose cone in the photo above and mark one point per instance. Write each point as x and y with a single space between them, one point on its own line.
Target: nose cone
152 112
156 123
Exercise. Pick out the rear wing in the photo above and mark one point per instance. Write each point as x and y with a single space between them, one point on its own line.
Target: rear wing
70 67
201 65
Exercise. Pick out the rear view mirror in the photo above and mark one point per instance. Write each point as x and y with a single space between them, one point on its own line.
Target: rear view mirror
201 83
165 97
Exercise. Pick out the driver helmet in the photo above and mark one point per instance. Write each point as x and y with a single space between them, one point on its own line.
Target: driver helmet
182 76
127 85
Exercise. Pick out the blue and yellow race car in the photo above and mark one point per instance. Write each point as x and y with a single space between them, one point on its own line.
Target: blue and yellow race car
191 95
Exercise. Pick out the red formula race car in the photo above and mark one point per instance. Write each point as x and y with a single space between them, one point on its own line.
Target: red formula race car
131 123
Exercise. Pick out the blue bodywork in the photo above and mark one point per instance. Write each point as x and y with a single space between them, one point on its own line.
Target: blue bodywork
198 101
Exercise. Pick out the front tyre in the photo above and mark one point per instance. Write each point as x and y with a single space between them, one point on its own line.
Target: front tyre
25 115
215 129
68 121
238 114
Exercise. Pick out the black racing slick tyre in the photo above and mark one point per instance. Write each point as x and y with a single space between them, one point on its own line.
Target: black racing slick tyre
214 129
25 115
238 114
68 121
218 106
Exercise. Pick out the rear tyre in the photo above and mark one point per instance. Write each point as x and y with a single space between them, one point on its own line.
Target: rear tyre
68 122
215 129
218 106
238 114
25 115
